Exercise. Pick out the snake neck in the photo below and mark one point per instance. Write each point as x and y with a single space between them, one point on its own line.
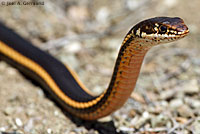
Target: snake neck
126 72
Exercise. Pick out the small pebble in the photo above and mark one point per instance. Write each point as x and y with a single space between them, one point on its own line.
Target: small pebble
159 120
176 103
18 122
105 119
29 125
132 113
31 111
137 97
170 3
9 110
167 94
181 120
2 129
191 87
40 92
133 4
49 131
126 129
142 120
194 103
185 111
56 113
74 47
102 15
145 114
11 71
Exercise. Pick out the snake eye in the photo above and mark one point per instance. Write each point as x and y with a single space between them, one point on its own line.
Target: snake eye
163 29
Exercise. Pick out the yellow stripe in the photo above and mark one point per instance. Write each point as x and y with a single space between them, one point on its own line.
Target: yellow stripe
21 59
74 74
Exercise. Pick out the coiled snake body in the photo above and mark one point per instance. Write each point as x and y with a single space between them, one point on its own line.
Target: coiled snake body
63 84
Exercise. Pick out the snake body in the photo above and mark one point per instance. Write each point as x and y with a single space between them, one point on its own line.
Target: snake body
63 84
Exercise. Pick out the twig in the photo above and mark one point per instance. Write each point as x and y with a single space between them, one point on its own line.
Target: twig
177 125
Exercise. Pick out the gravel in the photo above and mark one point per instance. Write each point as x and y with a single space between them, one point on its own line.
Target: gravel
86 35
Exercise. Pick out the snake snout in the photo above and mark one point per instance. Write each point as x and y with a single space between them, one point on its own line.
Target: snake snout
182 28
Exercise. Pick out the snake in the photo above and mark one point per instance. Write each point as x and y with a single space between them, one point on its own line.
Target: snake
64 85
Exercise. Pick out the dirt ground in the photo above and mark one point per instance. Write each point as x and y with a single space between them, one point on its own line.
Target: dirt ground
167 95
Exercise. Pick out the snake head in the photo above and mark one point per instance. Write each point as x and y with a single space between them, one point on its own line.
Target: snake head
160 30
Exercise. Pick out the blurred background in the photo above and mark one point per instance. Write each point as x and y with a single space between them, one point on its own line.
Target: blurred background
86 35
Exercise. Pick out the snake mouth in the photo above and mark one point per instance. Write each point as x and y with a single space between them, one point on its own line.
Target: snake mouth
184 33
181 34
